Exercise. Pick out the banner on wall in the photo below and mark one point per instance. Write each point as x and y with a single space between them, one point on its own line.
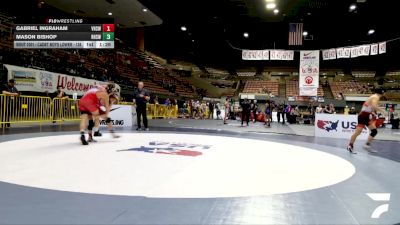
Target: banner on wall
281 55
337 126
328 54
267 55
254 55
354 52
27 79
374 49
347 52
382 48
309 73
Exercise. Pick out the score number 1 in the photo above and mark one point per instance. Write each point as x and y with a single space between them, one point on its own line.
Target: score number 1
108 32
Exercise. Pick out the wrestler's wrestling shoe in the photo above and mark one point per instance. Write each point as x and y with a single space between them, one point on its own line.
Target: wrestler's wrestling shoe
367 147
90 139
83 140
114 135
97 134
350 148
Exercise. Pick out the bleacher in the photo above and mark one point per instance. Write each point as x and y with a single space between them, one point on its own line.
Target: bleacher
229 93
393 73
246 74
6 26
93 64
222 83
163 82
216 73
146 58
262 87
179 85
392 80
349 88
363 74
392 95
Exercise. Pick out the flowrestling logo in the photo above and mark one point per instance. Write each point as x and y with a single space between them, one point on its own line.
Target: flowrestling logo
170 148
327 125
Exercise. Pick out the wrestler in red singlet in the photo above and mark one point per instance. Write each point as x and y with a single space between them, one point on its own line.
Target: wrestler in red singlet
90 102
366 118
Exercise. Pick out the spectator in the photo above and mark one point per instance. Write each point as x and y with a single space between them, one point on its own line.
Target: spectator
60 93
11 93
293 115
286 110
279 109
268 114
346 110
218 109
60 107
352 111
295 111
203 110
10 89
195 107
227 110
332 108
211 110
319 109
328 110
254 109
311 110
167 102
246 108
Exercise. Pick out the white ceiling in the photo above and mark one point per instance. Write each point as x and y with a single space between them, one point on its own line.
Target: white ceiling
127 12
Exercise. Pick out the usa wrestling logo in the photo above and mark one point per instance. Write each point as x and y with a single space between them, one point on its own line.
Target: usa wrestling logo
170 148
327 125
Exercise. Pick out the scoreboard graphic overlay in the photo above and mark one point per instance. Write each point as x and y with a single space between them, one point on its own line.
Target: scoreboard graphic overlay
64 33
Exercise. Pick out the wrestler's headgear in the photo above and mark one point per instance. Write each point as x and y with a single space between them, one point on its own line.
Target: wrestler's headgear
111 88
114 95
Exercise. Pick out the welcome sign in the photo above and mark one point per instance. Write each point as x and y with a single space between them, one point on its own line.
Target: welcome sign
28 79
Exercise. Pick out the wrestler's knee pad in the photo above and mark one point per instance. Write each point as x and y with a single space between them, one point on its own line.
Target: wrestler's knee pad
374 132
91 125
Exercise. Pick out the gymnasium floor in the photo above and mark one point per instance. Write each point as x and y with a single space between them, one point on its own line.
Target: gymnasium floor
180 173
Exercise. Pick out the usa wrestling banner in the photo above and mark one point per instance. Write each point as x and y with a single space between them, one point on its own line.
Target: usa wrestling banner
337 126
309 73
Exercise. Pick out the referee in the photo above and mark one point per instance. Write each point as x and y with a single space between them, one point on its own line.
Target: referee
141 96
